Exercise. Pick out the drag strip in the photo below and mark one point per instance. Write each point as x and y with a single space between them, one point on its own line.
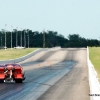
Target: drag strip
43 72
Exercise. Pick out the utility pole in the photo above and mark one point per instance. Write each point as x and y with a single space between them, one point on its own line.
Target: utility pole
43 38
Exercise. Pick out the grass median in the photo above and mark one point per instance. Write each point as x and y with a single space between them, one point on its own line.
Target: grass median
14 53
94 55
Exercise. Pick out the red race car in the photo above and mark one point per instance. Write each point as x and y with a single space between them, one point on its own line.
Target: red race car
11 73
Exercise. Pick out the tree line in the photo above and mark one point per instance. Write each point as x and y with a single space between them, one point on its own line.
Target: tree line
28 38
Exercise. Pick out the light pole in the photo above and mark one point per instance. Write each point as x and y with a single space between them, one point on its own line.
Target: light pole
43 38
24 39
5 36
21 38
16 37
11 37
28 37
3 32
1 41
1 38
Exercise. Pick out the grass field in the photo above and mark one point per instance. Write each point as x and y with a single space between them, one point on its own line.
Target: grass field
14 53
94 55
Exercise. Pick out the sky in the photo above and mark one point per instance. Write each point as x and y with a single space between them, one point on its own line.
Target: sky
64 16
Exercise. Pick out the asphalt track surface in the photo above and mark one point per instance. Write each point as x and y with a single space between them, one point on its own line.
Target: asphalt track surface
51 75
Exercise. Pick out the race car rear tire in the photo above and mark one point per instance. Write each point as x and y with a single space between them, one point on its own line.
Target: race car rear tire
1 81
18 81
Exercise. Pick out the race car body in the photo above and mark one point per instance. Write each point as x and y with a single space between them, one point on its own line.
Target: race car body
11 72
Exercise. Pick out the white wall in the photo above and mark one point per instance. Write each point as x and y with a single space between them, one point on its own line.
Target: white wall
93 80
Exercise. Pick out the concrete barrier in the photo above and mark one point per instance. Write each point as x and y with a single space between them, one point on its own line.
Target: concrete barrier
93 80
21 58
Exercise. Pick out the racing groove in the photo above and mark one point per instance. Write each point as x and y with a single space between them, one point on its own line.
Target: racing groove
51 75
